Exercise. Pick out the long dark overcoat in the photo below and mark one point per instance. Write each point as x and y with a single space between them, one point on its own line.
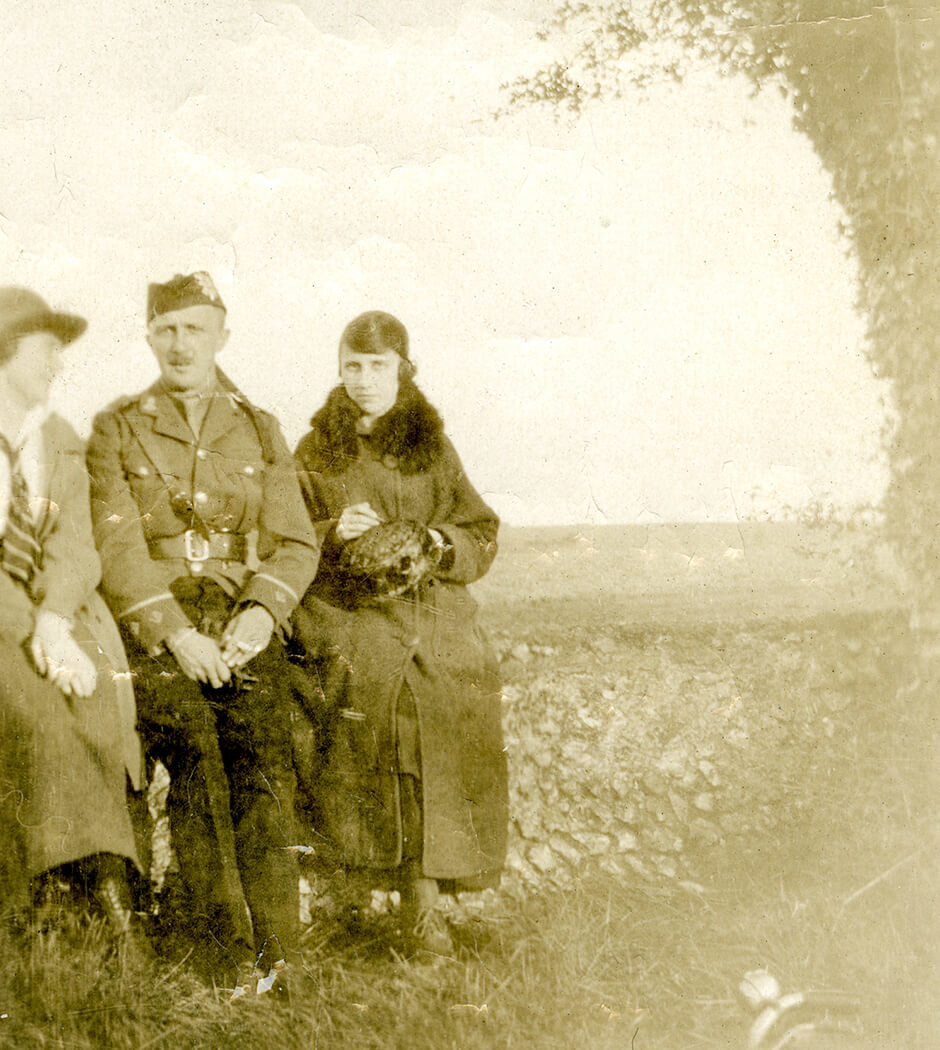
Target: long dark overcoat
360 656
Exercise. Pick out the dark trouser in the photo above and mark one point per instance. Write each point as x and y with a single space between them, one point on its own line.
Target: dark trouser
231 796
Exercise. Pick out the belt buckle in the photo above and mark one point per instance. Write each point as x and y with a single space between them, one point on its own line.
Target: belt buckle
195 546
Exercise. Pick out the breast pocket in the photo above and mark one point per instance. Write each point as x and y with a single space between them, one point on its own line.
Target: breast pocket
158 516
245 479
145 483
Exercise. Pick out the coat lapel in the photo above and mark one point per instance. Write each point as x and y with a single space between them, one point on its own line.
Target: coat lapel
52 453
164 417
223 414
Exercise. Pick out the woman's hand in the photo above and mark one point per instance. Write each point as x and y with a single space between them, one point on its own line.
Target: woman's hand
60 658
356 520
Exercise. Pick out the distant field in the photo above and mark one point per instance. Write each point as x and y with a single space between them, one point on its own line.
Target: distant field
673 573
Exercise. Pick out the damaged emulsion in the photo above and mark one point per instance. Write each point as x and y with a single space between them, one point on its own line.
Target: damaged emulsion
288 655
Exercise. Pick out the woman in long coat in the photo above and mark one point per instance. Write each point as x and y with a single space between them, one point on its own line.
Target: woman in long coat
413 777
67 740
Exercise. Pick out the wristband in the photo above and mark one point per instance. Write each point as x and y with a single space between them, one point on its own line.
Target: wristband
443 550
177 636
65 622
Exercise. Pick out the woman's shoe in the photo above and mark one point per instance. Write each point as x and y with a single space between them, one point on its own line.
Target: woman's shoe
431 932
251 981
247 976
53 897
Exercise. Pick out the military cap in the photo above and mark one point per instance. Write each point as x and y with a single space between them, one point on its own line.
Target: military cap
23 311
189 289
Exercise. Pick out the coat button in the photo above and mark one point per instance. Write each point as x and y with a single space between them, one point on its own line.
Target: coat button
201 497
249 470
201 453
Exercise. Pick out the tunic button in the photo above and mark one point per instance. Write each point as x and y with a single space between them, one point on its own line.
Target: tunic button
201 497
201 453
390 461
249 470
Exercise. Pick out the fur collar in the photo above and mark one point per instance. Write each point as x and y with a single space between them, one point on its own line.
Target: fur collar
411 431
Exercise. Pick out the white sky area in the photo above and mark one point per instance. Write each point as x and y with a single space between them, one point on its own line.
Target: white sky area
643 315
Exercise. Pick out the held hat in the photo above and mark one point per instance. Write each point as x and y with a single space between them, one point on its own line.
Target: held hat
23 311
189 289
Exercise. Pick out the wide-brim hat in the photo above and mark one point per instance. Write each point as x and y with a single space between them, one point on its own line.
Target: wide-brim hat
23 311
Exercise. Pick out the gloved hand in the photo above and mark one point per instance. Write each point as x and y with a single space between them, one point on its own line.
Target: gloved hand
199 657
59 657
356 520
246 635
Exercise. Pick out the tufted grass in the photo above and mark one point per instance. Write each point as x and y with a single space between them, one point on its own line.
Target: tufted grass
605 966
845 899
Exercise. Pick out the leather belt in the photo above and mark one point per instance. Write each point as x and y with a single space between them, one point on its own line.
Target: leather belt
194 546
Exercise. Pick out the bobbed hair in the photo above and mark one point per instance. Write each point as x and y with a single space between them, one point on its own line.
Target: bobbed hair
375 332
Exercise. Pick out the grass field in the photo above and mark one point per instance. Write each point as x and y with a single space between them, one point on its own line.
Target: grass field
687 573
842 896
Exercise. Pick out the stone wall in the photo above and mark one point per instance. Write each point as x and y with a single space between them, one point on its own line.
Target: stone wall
638 753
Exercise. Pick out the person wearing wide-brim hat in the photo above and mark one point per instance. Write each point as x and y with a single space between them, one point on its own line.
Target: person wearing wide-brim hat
67 739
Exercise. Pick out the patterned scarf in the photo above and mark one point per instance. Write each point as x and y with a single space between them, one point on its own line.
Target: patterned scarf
20 552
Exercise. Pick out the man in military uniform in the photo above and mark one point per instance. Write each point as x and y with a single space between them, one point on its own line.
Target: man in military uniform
206 548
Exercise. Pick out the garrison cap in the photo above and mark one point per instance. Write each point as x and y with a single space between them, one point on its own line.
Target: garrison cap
23 311
189 289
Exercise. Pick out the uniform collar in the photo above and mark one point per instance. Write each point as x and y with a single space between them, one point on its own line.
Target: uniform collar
158 403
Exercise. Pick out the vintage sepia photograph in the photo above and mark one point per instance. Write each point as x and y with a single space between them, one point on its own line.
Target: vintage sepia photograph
469 549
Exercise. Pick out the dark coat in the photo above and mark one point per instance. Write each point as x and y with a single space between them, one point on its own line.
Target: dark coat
362 655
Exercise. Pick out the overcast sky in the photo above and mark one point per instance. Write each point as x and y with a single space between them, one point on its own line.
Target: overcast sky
643 315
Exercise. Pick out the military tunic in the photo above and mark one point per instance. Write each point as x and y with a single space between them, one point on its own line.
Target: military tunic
191 528
154 479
